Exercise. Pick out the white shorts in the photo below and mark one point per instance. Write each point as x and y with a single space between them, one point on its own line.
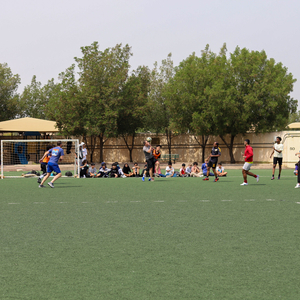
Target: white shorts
247 166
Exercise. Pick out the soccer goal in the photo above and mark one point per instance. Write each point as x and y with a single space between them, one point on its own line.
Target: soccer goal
20 157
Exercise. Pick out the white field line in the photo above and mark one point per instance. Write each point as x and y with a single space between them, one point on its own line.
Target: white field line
111 201
249 200
159 201
13 203
204 200
134 201
38 202
270 199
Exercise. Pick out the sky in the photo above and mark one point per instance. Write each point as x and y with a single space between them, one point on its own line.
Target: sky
42 37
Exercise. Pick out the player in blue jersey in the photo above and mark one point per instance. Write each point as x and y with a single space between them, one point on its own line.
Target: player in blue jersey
213 160
56 155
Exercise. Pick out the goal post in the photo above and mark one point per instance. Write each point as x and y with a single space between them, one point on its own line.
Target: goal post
24 156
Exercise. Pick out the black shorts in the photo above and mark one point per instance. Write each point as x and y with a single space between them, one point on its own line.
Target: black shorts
150 163
212 164
277 160
44 168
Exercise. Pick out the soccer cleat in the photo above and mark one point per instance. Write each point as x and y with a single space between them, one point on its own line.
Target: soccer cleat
217 179
205 179
272 178
257 178
149 179
51 184
143 178
297 186
244 183
41 186
278 177
39 180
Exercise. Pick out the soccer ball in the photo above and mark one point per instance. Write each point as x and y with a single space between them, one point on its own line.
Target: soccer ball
149 139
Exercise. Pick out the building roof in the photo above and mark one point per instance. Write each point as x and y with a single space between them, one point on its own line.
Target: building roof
28 124
295 125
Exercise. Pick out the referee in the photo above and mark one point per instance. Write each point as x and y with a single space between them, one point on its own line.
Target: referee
148 150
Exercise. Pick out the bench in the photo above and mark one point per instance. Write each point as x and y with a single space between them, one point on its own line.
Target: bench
169 157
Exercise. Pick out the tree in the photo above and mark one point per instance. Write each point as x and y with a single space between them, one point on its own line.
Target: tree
103 75
134 107
159 120
9 98
188 100
295 117
250 95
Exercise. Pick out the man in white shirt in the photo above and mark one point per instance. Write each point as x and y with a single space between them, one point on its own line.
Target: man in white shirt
277 151
170 172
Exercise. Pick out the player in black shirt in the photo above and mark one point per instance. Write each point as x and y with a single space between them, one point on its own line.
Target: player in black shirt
213 160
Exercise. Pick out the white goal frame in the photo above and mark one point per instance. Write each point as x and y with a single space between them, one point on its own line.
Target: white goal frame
76 160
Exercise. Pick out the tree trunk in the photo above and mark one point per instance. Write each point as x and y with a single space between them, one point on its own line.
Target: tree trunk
202 145
91 146
230 147
128 147
101 136
169 140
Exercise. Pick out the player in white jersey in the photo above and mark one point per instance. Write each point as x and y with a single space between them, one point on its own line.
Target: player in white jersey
277 151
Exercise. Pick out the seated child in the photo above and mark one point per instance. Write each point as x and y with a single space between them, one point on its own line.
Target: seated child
103 171
84 169
115 172
189 169
136 170
92 170
170 172
126 170
204 169
220 170
182 171
196 172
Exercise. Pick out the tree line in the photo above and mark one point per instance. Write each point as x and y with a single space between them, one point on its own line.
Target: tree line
99 96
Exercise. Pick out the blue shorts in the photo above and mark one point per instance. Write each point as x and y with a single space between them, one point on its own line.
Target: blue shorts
53 167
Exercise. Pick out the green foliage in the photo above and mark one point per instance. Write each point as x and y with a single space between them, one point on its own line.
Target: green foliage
295 117
220 95
9 99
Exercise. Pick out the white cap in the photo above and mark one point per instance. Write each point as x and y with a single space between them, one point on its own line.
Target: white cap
80 145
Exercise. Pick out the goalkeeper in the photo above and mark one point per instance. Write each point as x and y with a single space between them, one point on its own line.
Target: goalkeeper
44 164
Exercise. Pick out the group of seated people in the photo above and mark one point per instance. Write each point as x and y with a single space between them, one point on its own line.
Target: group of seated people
193 170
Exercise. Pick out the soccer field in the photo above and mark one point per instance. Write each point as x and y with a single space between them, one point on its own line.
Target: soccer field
174 238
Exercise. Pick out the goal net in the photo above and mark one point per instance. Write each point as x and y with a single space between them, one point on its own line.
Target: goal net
20 157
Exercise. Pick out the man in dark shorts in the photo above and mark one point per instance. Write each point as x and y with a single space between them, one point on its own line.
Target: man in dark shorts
148 151
213 161
277 151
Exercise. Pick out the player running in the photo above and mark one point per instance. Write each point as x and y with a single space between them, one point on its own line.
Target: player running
248 155
277 151
148 151
56 155
213 160
44 164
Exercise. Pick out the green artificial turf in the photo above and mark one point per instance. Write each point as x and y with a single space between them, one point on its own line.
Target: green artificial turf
174 238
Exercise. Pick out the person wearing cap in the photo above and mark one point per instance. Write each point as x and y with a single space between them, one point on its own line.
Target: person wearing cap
103 171
82 153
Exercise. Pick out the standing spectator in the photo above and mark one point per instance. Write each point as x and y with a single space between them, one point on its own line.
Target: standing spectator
204 169
136 170
126 170
196 172
220 170
82 153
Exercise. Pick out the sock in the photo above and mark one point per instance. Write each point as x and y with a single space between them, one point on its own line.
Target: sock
255 176
273 175
245 181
